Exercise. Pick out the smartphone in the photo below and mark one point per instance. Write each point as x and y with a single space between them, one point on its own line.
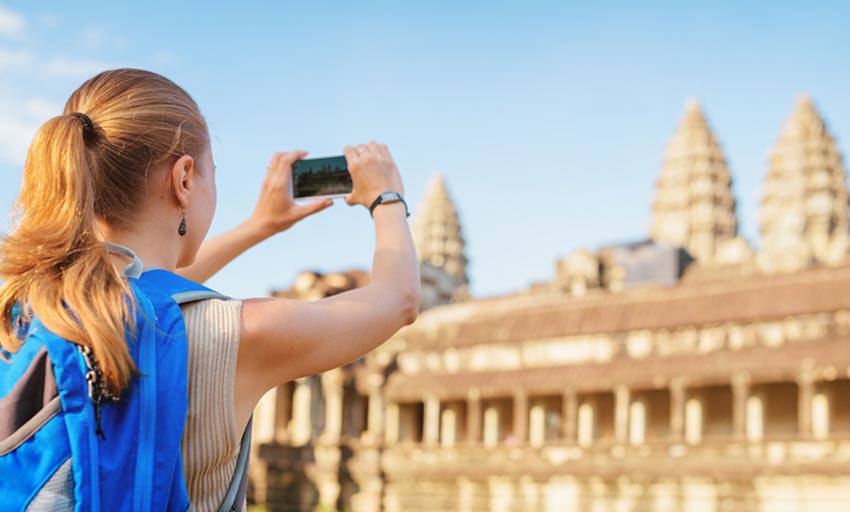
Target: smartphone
320 177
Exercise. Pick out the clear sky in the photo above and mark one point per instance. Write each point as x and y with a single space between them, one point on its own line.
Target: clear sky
548 119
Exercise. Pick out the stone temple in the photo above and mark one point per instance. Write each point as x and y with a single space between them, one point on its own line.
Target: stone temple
691 371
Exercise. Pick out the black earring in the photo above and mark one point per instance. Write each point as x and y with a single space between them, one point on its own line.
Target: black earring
181 230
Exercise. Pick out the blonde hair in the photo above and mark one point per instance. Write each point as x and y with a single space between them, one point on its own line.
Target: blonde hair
54 262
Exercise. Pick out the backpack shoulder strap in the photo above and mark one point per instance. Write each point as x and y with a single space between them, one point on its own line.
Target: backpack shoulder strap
181 289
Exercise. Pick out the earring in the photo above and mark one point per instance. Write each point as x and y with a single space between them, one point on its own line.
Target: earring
181 230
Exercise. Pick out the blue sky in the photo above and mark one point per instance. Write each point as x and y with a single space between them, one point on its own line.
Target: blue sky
548 119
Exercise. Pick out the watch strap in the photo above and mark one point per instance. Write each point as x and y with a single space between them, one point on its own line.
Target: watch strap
380 199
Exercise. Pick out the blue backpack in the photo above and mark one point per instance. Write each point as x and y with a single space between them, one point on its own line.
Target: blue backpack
65 444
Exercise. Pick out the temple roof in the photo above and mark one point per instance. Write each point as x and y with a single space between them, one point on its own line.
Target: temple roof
693 206
747 299
437 231
803 214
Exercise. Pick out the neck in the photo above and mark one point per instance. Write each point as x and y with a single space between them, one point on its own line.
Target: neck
154 249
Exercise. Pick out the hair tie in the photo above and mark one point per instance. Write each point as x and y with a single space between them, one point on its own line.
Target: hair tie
88 126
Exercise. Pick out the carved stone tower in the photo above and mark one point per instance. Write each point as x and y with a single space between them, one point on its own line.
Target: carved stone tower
438 236
803 215
693 206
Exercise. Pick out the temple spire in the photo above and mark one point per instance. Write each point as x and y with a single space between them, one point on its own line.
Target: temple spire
694 207
437 233
803 215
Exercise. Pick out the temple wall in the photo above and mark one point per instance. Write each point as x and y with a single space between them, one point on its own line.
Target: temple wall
559 493
775 476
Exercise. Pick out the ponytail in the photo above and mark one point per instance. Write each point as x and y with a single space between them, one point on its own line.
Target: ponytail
55 263
55 259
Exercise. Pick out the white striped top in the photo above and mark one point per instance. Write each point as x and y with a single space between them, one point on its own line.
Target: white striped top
211 439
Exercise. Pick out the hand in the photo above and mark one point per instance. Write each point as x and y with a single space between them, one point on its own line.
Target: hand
276 210
372 171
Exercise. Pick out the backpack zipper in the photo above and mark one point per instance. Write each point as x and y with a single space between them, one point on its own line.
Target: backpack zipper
97 391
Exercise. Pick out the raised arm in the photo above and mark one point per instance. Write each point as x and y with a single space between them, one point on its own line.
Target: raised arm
283 339
275 211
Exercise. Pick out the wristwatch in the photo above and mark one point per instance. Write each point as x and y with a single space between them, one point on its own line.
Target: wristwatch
388 197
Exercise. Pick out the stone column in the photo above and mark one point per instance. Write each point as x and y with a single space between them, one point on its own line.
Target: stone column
586 423
391 432
521 417
694 420
262 432
537 425
821 404
448 425
569 416
332 388
301 411
678 393
375 420
740 394
638 421
282 413
622 398
473 417
492 426
805 392
431 427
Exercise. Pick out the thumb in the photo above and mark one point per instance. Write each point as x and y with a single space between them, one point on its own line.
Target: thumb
349 199
315 206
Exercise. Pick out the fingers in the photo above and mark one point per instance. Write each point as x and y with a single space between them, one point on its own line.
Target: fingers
272 168
367 164
279 171
283 159
379 150
290 158
375 148
351 156
363 152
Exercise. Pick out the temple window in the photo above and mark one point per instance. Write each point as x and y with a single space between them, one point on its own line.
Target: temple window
595 418
830 408
649 415
716 405
410 421
544 424
779 404
452 423
498 421
355 411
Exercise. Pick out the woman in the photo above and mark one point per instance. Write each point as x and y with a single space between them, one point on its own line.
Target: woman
143 178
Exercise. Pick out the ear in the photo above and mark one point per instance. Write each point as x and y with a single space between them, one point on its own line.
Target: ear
182 173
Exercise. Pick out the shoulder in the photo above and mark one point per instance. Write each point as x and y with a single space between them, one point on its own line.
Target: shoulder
213 328
212 312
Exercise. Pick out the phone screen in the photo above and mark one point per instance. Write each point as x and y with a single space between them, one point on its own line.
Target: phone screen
320 177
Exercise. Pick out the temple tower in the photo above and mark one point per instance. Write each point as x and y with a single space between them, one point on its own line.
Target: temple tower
438 236
803 214
693 206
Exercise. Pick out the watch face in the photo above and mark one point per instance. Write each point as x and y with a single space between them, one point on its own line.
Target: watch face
389 197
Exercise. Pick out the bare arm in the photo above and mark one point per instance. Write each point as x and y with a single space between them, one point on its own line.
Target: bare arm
275 211
217 252
283 339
